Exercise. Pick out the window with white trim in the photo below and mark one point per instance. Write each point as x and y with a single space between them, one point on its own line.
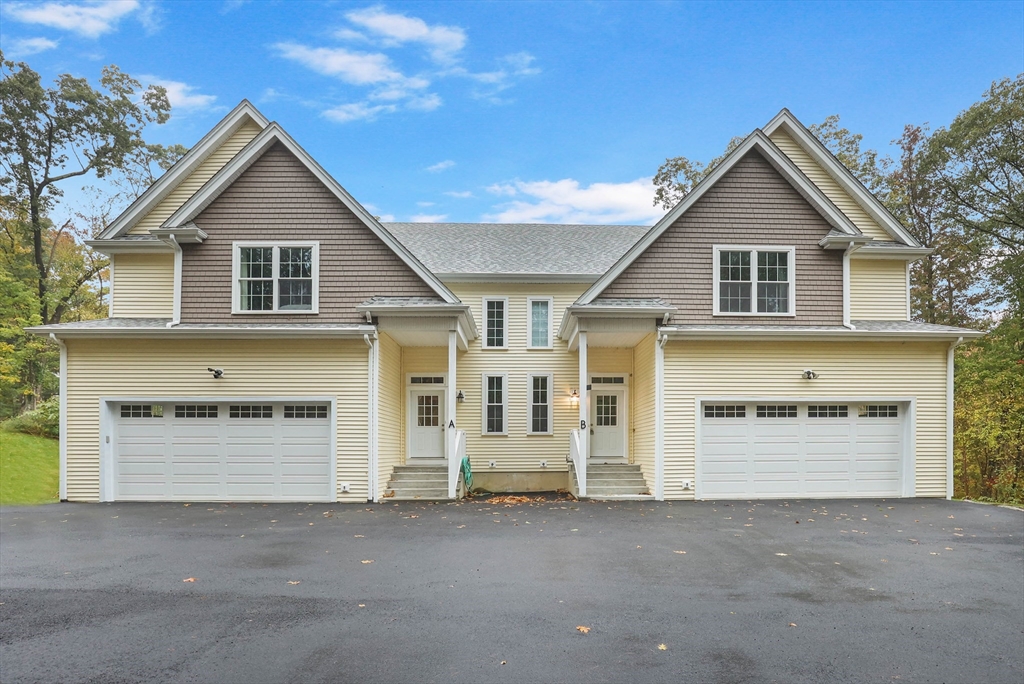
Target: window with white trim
276 277
754 281
495 323
539 311
495 405
539 401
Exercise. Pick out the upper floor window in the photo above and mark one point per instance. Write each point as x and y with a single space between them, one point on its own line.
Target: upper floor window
754 281
496 317
276 277
539 309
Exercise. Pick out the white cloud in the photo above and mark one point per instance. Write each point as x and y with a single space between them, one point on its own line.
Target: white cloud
442 42
232 5
23 47
181 95
357 110
425 103
565 201
428 218
441 166
91 19
464 194
425 204
357 68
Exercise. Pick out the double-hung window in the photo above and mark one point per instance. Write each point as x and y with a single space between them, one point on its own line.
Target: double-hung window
754 281
539 387
539 311
495 405
276 277
496 323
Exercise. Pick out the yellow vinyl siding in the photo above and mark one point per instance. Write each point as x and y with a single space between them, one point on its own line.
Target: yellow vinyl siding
845 369
390 400
177 368
846 204
878 289
143 286
517 451
204 172
642 391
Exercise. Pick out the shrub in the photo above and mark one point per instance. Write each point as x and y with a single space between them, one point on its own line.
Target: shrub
44 421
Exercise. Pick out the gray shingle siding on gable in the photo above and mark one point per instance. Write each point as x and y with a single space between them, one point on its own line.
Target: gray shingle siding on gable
751 204
278 199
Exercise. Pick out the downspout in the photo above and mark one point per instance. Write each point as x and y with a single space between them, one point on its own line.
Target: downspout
63 418
850 248
659 417
371 416
176 311
949 416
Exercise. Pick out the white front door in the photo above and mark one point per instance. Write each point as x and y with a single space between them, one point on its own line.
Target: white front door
607 423
426 418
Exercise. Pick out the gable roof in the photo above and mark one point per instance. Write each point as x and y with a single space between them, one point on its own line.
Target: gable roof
517 251
181 169
842 175
756 141
272 135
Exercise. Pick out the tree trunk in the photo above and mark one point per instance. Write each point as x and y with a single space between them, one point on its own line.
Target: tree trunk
37 252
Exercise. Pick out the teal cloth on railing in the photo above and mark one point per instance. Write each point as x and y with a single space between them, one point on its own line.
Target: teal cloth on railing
467 473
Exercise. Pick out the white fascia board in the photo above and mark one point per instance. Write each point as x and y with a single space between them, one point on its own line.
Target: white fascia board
843 241
130 246
586 278
184 166
462 312
840 334
187 234
213 332
756 140
570 319
902 253
270 135
842 175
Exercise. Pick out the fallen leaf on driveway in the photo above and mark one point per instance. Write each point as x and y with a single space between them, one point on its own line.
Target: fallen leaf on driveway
189 579
678 552
792 624
294 581
504 662
662 647
582 629
362 605
358 536
782 554
366 562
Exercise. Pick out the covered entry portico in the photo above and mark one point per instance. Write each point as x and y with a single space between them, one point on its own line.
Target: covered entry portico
617 441
413 394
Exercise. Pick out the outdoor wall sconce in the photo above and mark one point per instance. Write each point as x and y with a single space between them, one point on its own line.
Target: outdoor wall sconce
218 373
809 374
574 396
460 397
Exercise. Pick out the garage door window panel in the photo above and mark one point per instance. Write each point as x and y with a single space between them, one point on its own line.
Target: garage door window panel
776 411
195 411
879 411
827 411
142 411
251 411
725 411
303 411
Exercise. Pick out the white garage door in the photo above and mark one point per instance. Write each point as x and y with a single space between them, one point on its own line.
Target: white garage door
787 450
222 452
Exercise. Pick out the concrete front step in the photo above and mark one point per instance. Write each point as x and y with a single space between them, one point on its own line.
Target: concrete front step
419 475
418 494
421 469
616 481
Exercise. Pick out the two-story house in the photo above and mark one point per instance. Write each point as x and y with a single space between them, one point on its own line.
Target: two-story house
270 340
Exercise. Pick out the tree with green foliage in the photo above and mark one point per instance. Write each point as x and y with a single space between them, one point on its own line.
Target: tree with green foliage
51 135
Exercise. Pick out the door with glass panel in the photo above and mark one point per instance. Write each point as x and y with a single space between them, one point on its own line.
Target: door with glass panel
607 422
426 419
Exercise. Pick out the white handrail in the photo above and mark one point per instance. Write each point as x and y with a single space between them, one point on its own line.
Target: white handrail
579 463
455 462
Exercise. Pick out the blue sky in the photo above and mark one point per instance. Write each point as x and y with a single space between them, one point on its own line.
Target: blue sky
529 111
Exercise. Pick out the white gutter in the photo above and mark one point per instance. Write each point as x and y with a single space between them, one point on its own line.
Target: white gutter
659 417
837 333
949 417
176 312
213 332
63 424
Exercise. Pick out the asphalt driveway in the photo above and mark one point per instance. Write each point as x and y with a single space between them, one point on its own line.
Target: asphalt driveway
840 591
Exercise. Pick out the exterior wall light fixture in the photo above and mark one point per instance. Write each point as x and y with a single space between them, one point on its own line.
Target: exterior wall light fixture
809 374
574 396
460 396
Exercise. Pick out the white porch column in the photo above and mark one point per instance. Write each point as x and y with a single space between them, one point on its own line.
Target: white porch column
449 433
584 399
659 416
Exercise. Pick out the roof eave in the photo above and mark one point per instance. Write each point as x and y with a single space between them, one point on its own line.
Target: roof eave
899 253
499 277
842 333
219 332
119 246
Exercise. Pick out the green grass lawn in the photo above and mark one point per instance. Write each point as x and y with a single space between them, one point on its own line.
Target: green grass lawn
29 469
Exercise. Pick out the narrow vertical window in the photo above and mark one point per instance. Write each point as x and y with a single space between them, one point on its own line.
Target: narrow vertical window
495 311
734 282
540 323
295 279
494 404
540 404
257 278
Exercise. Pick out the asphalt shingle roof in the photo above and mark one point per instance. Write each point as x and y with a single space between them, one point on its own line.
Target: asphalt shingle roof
521 248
